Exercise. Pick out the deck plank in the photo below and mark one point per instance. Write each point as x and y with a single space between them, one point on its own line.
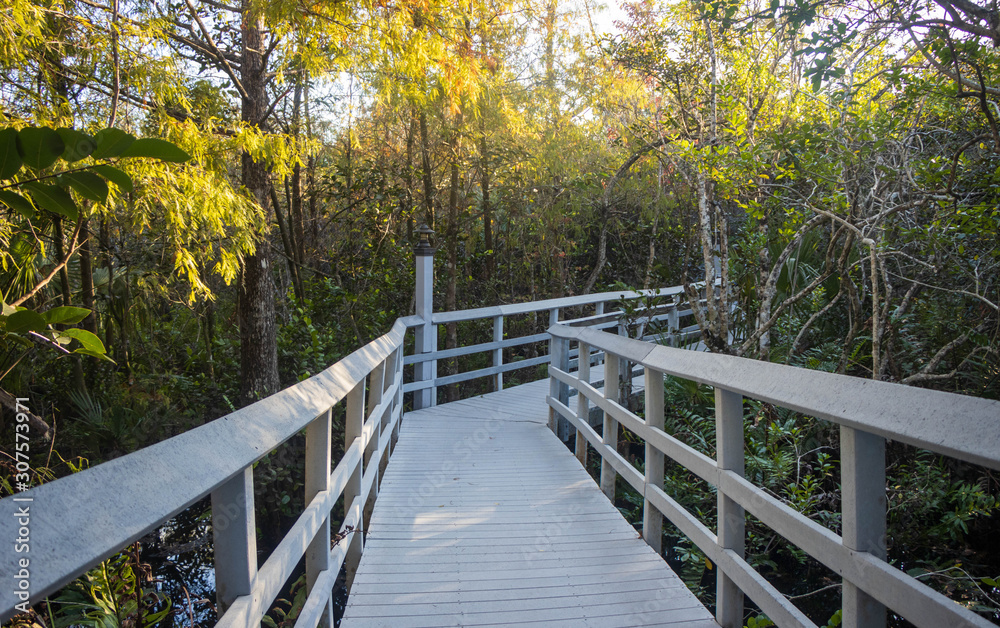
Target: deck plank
485 519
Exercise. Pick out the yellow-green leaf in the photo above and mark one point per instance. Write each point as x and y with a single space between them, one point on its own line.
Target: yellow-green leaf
156 149
24 321
116 176
89 341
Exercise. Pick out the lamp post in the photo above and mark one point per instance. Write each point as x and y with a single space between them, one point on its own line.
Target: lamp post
426 336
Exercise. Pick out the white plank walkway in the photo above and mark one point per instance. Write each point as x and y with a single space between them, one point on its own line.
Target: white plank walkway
484 518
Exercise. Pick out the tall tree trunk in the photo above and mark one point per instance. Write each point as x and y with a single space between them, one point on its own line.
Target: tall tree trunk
87 278
550 61
258 329
763 270
451 292
647 279
425 162
209 318
295 210
311 177
484 167
407 199
286 243
109 321
67 298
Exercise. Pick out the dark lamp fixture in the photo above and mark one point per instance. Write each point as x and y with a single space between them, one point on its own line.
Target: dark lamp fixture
424 233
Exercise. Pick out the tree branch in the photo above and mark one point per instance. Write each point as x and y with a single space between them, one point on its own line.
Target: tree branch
73 247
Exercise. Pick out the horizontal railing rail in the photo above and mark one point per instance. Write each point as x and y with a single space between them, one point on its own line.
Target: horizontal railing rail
429 380
868 412
82 519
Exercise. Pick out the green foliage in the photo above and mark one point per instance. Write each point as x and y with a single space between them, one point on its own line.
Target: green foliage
280 617
21 326
38 149
115 594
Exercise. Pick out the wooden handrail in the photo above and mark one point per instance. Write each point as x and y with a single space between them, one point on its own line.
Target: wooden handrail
946 423
427 379
962 427
93 514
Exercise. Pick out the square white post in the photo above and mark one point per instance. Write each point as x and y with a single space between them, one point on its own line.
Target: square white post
863 507
498 352
426 334
558 358
235 537
652 519
732 520
354 430
582 406
608 474
376 386
674 321
318 451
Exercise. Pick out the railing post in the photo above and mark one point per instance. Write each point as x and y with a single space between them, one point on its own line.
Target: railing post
652 519
426 334
582 406
731 517
558 358
399 394
354 430
610 437
235 536
376 386
674 322
862 479
498 352
389 377
317 468
598 311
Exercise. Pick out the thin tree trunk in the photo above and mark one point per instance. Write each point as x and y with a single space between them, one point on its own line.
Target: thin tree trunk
451 292
109 321
209 310
311 176
283 230
407 200
647 279
296 205
87 278
67 298
550 65
258 329
425 159
484 167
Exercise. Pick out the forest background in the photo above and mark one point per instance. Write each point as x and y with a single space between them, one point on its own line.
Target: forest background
840 159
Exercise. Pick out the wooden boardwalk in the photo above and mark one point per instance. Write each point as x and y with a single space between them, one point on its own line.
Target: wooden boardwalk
484 518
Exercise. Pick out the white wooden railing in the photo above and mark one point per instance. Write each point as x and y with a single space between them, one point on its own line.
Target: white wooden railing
82 519
868 413
671 311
